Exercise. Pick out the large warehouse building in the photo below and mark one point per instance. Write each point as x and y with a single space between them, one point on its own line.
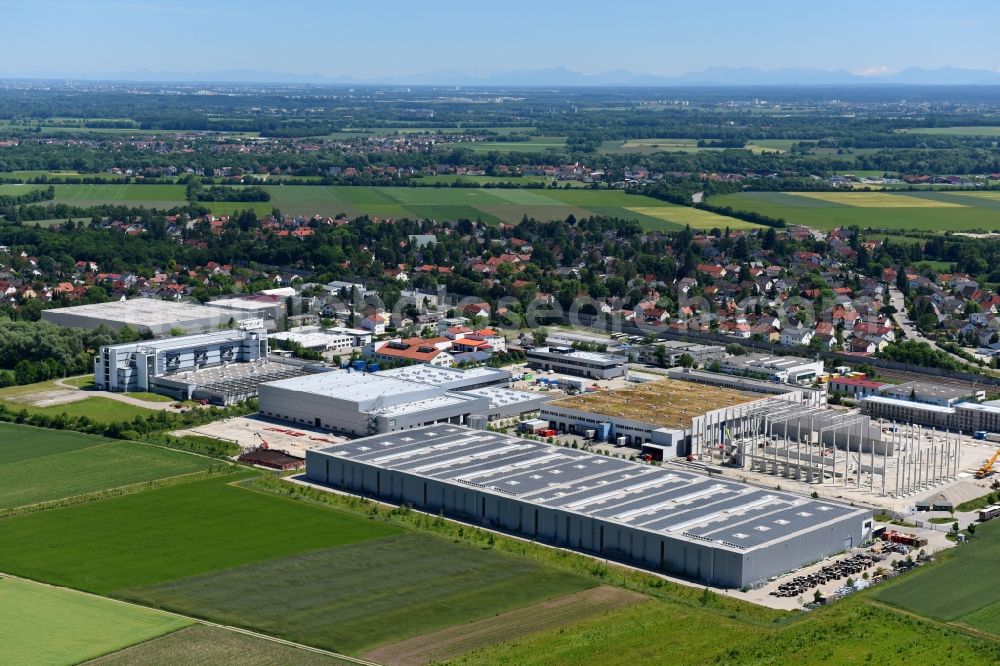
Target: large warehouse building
146 315
709 529
359 403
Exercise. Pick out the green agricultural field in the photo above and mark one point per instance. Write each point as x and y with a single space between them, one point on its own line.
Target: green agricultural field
962 588
151 196
694 217
373 592
537 144
21 442
650 146
480 180
29 174
203 645
8 190
261 208
919 211
492 205
47 625
96 408
168 533
38 465
983 130
849 632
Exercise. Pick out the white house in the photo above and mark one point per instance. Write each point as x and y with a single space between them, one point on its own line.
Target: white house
796 336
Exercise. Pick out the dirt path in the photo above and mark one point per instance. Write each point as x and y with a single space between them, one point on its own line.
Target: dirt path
73 394
455 641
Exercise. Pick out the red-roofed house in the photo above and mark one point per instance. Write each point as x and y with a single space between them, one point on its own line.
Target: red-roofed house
855 387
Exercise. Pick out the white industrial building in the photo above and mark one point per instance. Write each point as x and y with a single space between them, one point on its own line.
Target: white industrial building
335 339
360 403
569 361
268 308
222 367
452 379
147 315
704 528
958 416
785 369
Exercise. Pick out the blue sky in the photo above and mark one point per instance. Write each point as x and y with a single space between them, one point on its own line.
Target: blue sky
394 38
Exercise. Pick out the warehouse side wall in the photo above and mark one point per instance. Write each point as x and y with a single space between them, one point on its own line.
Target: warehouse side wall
551 526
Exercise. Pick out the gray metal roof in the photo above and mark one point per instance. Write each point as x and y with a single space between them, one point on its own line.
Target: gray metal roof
449 378
148 312
663 500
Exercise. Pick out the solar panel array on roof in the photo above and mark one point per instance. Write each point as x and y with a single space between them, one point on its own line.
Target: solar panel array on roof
665 501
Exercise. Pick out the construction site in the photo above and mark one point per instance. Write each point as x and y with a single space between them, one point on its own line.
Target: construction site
787 435
845 449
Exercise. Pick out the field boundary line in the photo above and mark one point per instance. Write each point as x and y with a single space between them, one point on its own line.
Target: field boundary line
106 493
964 628
197 620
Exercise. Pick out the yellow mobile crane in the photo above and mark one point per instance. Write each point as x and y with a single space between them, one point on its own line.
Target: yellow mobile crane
987 467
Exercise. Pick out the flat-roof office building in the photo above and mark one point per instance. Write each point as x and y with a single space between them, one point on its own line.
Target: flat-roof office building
134 366
786 369
569 361
709 529
223 367
959 416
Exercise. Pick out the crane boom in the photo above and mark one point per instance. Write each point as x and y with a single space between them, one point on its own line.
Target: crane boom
987 467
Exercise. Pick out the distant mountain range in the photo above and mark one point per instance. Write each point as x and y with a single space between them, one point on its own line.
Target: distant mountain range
565 77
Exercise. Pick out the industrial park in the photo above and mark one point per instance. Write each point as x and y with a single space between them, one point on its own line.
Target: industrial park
524 334
731 478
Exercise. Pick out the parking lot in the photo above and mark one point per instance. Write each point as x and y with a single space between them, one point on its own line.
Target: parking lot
829 577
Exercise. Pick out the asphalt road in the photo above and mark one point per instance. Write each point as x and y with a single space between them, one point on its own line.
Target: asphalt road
910 332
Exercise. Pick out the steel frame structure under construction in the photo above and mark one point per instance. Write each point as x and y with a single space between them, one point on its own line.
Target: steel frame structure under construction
922 464
816 445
